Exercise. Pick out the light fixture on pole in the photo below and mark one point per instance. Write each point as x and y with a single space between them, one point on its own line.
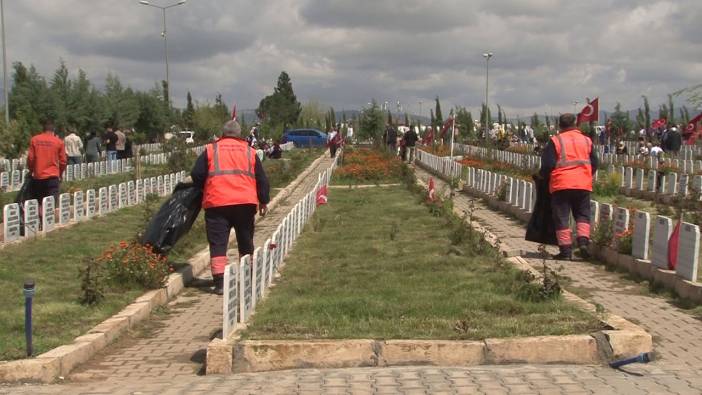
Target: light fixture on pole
4 64
165 41
487 57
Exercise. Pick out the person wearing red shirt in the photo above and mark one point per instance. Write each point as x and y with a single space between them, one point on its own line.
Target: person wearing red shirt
46 160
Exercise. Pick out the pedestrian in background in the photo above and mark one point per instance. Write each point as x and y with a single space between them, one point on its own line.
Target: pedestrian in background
46 160
111 144
119 145
92 148
74 147
234 186
410 138
569 163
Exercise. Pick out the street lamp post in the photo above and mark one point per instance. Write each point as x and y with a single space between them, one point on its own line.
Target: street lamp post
4 64
165 39
487 57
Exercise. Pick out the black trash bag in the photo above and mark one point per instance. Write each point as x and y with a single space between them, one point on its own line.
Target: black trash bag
541 228
24 194
174 219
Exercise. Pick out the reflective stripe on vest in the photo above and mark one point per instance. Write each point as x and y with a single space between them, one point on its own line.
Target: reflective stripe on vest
219 172
563 162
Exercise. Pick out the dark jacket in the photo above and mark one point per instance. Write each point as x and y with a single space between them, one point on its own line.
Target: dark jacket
111 141
390 136
200 170
410 138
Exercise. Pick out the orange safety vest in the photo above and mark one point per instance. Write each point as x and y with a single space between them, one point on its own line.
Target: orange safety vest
231 175
573 168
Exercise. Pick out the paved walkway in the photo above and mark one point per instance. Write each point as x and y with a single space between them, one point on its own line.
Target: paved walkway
178 341
677 340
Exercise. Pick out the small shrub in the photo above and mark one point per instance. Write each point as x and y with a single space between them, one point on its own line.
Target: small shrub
603 233
549 288
134 263
91 282
608 185
624 242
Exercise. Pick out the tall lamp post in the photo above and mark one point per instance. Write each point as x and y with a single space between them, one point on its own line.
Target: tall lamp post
165 39
4 64
487 57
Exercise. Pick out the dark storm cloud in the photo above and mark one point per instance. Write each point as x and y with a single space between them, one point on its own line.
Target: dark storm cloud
343 53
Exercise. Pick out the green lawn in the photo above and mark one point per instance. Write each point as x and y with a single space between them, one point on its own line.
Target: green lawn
376 264
53 262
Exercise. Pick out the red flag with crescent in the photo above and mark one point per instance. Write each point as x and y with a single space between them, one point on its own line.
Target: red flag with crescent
432 192
591 112
446 126
691 129
429 136
659 123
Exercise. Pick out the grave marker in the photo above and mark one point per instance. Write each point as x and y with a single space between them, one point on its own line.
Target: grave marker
663 227
641 236
11 222
688 252
91 206
64 208
103 201
31 218
48 221
78 206
231 299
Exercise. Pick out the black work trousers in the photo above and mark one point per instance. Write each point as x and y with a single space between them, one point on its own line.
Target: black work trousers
565 202
220 220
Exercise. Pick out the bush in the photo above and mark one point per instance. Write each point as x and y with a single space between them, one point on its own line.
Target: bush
603 234
370 165
91 282
133 263
608 185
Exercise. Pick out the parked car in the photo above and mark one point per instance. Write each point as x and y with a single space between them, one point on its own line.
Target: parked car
305 137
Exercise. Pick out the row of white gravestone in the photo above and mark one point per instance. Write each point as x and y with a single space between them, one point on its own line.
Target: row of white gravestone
246 282
84 205
670 183
522 194
688 245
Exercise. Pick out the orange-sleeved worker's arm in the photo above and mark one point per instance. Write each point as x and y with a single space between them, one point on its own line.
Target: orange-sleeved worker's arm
31 156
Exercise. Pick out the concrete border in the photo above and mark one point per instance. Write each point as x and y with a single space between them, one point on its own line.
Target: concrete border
621 339
58 362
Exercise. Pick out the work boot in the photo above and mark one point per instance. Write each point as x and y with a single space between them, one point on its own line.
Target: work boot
583 244
218 280
566 254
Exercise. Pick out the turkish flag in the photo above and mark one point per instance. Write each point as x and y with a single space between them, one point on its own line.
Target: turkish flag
659 123
446 126
322 195
590 113
691 129
673 244
234 112
432 193
428 137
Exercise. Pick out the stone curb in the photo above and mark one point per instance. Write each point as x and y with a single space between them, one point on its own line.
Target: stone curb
59 362
621 339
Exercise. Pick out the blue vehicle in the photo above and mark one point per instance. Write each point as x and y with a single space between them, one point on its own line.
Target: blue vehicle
305 137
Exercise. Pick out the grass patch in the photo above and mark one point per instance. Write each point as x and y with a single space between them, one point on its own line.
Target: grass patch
376 264
53 262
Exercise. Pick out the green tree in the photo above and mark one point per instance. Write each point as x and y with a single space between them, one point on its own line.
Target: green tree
499 115
189 112
311 114
663 112
621 124
647 111
671 110
390 118
438 117
281 107
535 123
432 119
407 122
485 119
372 124
640 119
464 123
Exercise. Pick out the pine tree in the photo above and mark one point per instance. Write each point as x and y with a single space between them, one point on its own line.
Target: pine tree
663 112
189 112
535 123
671 110
640 119
499 115
439 119
647 112
621 123
432 120
485 120
407 122
282 107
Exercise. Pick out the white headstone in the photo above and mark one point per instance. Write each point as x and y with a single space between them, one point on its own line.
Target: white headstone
683 184
31 218
114 197
594 212
245 288
652 180
11 222
4 181
605 212
231 299
48 221
629 178
122 195
639 185
91 207
621 220
672 183
103 201
662 229
640 238
688 252
64 208
78 206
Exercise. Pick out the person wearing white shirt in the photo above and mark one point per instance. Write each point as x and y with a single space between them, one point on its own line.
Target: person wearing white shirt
74 148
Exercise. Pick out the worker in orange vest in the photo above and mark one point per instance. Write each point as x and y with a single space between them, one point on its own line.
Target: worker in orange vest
46 160
569 163
234 186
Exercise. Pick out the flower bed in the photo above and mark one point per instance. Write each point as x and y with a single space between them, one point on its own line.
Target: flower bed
368 165
496 166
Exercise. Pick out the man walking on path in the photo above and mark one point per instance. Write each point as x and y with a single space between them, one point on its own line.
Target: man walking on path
46 160
569 162
111 144
234 185
74 148
410 139
93 150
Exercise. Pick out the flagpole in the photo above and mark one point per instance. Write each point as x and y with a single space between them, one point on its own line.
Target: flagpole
453 133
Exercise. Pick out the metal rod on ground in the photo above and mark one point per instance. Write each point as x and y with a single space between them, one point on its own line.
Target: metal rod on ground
644 357
28 296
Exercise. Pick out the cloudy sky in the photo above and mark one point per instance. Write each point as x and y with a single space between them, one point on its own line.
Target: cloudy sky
547 53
